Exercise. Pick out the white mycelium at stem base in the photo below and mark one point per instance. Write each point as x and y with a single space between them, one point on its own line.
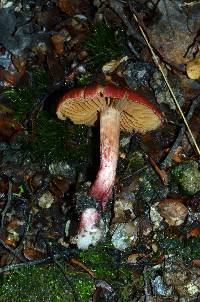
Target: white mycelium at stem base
109 149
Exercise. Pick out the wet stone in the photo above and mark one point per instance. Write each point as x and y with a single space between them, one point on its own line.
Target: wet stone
162 92
160 288
150 187
37 181
46 200
63 169
185 282
186 177
173 211
124 235
123 208
137 74
155 216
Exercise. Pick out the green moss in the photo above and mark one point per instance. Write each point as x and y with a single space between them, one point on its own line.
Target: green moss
107 266
136 161
60 140
24 99
104 264
83 285
103 44
187 177
83 79
35 284
50 283
187 250
54 140
46 283
50 138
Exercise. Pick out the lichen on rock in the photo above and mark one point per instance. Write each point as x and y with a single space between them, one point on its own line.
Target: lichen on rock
187 177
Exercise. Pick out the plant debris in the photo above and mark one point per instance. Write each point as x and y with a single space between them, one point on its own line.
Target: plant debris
145 243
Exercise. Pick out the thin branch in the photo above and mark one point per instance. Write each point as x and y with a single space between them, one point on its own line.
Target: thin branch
167 161
147 290
190 3
7 206
11 251
48 259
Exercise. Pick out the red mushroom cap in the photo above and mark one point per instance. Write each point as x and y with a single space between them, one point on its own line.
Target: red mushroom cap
81 105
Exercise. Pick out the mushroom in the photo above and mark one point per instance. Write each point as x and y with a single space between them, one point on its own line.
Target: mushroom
118 108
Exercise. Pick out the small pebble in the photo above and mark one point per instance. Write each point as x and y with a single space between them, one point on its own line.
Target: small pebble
173 211
124 235
46 200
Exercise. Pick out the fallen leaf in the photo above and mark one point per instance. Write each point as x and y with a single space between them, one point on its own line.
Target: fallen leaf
32 254
111 66
77 262
58 43
19 62
10 243
67 7
196 262
8 129
193 68
133 258
161 173
9 78
177 155
171 35
194 232
13 224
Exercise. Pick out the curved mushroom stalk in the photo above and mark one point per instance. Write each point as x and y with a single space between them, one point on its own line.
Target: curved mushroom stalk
109 149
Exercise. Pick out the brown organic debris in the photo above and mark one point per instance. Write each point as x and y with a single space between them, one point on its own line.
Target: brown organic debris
194 232
66 6
32 254
58 43
161 173
8 129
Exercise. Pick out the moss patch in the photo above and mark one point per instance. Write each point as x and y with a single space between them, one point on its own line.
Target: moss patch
103 44
46 283
59 140
187 250
24 99
49 138
187 177
105 264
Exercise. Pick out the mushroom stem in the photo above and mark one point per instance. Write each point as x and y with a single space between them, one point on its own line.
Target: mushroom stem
109 149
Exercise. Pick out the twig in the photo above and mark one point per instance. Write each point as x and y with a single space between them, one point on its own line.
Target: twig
14 266
161 173
76 297
77 262
146 286
165 78
7 206
117 7
167 161
26 228
190 3
11 251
